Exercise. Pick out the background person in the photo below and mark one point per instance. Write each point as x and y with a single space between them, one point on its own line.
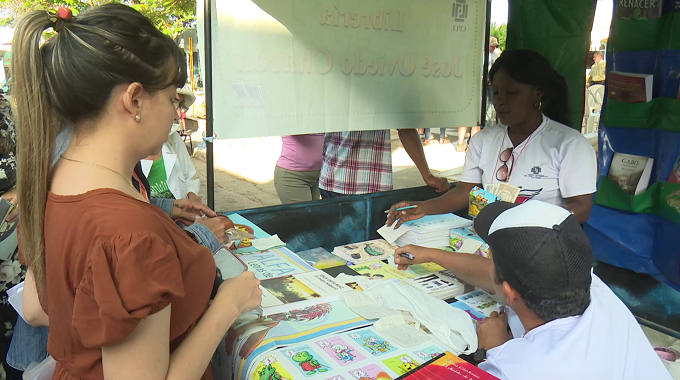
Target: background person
598 71
429 138
171 172
533 149
360 162
86 227
296 177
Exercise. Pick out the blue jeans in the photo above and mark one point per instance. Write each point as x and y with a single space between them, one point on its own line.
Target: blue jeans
29 344
442 133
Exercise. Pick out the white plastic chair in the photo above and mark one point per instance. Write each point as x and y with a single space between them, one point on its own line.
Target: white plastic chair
594 100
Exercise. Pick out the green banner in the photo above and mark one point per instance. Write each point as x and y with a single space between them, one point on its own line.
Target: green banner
662 33
560 30
660 113
661 199
284 67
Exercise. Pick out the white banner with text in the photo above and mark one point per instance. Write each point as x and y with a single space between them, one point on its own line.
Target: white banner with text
284 67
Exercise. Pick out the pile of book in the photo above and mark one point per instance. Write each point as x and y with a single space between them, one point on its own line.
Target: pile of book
431 231
366 251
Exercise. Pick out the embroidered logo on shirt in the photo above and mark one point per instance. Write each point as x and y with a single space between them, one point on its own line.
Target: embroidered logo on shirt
527 194
536 173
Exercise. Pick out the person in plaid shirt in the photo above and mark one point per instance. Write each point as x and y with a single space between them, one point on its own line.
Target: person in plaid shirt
360 162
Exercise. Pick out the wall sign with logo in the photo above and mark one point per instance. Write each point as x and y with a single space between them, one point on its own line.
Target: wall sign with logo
302 66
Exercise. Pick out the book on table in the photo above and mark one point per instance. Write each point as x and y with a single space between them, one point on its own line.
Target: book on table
632 173
297 291
447 366
630 87
274 263
441 285
367 251
378 270
319 258
431 231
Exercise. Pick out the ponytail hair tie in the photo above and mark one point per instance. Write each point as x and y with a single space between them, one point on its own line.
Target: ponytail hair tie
59 17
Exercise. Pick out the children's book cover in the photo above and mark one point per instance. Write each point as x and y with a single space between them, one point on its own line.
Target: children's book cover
428 353
377 270
480 301
252 335
370 372
307 361
274 263
245 246
466 240
270 368
299 287
372 342
447 366
319 258
401 364
474 314
479 198
336 377
367 251
340 351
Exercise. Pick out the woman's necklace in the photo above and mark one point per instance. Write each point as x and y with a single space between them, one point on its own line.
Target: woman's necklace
129 182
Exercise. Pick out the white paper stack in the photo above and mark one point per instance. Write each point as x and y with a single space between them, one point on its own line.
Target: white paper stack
431 231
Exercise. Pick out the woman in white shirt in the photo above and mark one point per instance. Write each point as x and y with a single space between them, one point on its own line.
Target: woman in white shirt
532 148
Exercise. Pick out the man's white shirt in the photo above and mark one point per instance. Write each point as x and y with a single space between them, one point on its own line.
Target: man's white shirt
606 342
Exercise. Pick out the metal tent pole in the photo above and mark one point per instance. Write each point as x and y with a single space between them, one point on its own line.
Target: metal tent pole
207 86
485 73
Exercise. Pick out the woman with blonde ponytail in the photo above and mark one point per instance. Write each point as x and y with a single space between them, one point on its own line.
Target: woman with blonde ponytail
124 291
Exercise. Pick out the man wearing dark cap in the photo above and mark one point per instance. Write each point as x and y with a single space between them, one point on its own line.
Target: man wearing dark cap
565 323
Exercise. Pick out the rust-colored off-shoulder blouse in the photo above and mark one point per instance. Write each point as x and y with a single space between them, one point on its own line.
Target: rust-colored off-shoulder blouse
113 260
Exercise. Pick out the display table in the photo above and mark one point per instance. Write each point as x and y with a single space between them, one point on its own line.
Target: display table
333 222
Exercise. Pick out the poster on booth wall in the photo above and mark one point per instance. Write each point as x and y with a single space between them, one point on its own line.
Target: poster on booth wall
283 67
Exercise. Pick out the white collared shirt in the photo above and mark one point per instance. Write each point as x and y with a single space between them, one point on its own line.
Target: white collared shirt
553 163
606 342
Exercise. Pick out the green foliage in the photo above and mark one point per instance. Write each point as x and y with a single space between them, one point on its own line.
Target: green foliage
170 16
498 31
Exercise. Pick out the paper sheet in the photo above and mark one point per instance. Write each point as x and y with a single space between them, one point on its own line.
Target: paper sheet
390 234
268 243
470 246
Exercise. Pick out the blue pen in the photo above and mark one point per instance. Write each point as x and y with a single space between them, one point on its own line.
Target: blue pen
407 255
402 208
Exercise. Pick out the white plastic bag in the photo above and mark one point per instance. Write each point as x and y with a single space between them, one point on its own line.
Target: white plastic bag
40 371
450 325
15 296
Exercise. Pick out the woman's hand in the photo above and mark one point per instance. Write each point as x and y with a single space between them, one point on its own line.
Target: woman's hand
13 197
411 255
190 210
216 227
242 291
193 197
403 216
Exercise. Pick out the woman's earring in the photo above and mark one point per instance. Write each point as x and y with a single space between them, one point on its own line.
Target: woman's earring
138 118
537 105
